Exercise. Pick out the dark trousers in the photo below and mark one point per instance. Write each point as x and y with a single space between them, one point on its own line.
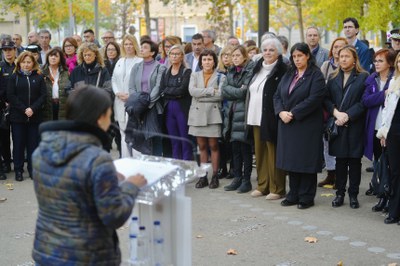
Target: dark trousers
303 187
350 167
242 159
393 151
5 145
25 136
176 122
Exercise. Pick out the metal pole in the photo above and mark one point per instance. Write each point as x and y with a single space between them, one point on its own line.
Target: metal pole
263 18
96 18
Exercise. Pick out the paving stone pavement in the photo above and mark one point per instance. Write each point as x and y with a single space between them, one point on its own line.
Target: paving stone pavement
262 232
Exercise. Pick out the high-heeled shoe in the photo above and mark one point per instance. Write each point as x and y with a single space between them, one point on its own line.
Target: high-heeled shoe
380 205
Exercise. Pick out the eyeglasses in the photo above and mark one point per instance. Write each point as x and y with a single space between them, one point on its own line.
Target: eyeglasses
226 54
107 38
111 49
175 54
167 46
380 61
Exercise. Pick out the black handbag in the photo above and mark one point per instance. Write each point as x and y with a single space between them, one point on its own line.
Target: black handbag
381 181
331 129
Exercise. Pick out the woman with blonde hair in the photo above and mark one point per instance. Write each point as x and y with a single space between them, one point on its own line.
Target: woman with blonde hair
344 103
225 59
91 69
166 44
174 89
26 94
389 134
120 84
327 69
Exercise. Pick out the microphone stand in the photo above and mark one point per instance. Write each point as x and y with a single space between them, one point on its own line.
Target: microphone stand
195 150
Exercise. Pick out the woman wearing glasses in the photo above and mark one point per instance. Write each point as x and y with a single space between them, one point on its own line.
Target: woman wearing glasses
174 88
69 48
373 99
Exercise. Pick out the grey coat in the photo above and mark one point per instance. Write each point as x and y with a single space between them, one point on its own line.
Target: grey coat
155 79
322 56
234 90
206 102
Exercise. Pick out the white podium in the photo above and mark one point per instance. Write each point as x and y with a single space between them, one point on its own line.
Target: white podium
164 199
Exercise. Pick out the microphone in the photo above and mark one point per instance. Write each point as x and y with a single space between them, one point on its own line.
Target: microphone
195 150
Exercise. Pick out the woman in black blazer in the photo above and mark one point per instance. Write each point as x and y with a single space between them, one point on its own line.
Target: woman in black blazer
343 102
298 103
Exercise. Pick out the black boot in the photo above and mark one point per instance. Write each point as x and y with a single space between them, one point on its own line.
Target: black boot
236 182
380 205
338 201
203 182
2 175
370 191
18 176
214 183
354 202
245 186
386 208
222 173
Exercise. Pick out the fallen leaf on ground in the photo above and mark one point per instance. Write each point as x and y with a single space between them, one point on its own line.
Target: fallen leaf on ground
10 186
231 251
328 186
340 263
327 195
311 239
199 236
392 264
3 199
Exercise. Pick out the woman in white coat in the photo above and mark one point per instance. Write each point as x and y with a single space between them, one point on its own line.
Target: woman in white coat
120 85
205 119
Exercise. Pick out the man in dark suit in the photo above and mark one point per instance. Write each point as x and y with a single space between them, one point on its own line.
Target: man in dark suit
192 59
395 39
351 28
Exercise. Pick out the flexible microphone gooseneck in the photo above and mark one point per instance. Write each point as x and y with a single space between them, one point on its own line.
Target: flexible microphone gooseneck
195 150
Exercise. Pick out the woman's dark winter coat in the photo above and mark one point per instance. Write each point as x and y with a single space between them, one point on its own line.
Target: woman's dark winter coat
299 147
24 91
349 143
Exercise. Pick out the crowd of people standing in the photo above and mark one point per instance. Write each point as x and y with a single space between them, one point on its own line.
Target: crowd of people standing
273 101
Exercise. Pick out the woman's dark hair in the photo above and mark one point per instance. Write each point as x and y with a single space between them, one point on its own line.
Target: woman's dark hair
389 55
116 45
153 47
54 51
303 48
86 104
205 53
72 41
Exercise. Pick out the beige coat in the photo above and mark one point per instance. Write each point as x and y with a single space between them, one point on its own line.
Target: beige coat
206 102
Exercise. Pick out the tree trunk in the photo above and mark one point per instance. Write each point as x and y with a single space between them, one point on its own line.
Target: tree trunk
231 26
28 19
147 16
300 18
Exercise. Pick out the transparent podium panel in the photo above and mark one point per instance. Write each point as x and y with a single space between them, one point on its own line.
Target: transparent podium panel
164 200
